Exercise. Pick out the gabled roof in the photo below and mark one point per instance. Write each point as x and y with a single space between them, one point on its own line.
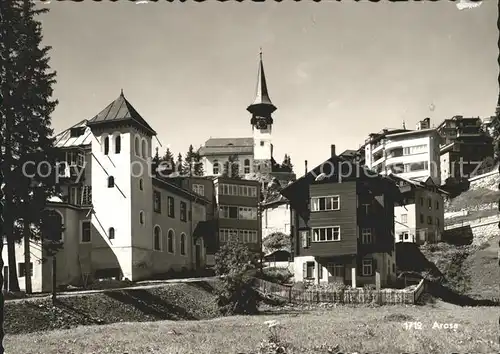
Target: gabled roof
65 140
227 146
120 110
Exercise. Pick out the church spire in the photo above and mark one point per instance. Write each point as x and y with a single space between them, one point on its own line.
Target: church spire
262 104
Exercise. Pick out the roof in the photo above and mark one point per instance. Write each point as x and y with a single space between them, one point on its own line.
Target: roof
413 132
342 168
262 99
64 138
227 146
120 110
169 185
421 182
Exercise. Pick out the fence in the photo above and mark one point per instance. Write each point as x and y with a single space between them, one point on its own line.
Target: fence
348 296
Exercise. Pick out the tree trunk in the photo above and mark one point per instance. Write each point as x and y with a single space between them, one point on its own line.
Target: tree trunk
27 256
11 244
54 279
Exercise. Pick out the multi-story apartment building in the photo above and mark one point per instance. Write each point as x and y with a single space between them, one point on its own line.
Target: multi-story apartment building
465 147
420 216
413 154
238 211
121 219
343 224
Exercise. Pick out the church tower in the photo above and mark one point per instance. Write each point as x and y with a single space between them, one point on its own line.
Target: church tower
262 121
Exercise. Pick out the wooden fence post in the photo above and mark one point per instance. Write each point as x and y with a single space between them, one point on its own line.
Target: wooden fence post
290 295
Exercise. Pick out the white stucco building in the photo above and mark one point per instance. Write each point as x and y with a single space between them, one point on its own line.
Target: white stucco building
412 154
121 218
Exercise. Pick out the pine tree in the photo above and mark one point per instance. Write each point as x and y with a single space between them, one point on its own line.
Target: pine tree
26 90
179 168
167 162
287 163
231 167
188 165
198 164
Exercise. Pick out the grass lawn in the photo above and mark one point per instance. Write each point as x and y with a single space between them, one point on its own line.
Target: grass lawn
353 329
474 215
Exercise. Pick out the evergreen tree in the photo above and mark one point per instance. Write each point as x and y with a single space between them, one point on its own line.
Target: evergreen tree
27 106
198 164
179 168
287 163
167 162
189 161
231 167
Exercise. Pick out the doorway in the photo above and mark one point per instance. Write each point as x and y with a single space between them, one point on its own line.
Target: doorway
336 273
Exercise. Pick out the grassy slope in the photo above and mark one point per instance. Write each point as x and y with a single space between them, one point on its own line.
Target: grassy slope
353 329
189 301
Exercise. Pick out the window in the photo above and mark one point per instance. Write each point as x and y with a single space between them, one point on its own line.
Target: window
367 268
421 218
325 234
199 189
141 184
76 132
144 148
366 236
246 166
418 149
336 270
406 236
22 269
216 167
308 271
157 238
170 241
429 203
226 234
248 236
85 231
228 212
367 208
106 145
404 218
393 267
183 211
171 211
111 182
141 217
429 220
137 146
437 204
437 222
416 166
261 143
157 201
111 233
247 213
118 144
325 203
183 244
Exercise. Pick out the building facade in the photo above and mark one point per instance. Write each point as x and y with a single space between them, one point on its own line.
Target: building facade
343 227
238 211
120 218
420 216
466 148
412 154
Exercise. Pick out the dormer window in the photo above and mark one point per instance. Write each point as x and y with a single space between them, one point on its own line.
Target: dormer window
76 132
111 182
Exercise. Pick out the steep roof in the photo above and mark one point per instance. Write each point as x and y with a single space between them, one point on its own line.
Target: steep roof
68 138
227 146
262 100
120 110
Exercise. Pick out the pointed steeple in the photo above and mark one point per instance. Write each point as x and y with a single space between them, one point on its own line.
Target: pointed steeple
262 104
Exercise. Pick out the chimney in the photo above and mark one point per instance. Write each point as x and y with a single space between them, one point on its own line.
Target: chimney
305 164
332 148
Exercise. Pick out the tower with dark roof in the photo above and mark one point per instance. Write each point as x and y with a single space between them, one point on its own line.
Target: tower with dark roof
262 121
121 183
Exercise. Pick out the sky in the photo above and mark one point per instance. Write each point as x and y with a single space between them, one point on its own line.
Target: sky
337 71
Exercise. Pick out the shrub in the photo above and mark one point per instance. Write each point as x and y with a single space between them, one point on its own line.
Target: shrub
273 344
277 275
236 264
